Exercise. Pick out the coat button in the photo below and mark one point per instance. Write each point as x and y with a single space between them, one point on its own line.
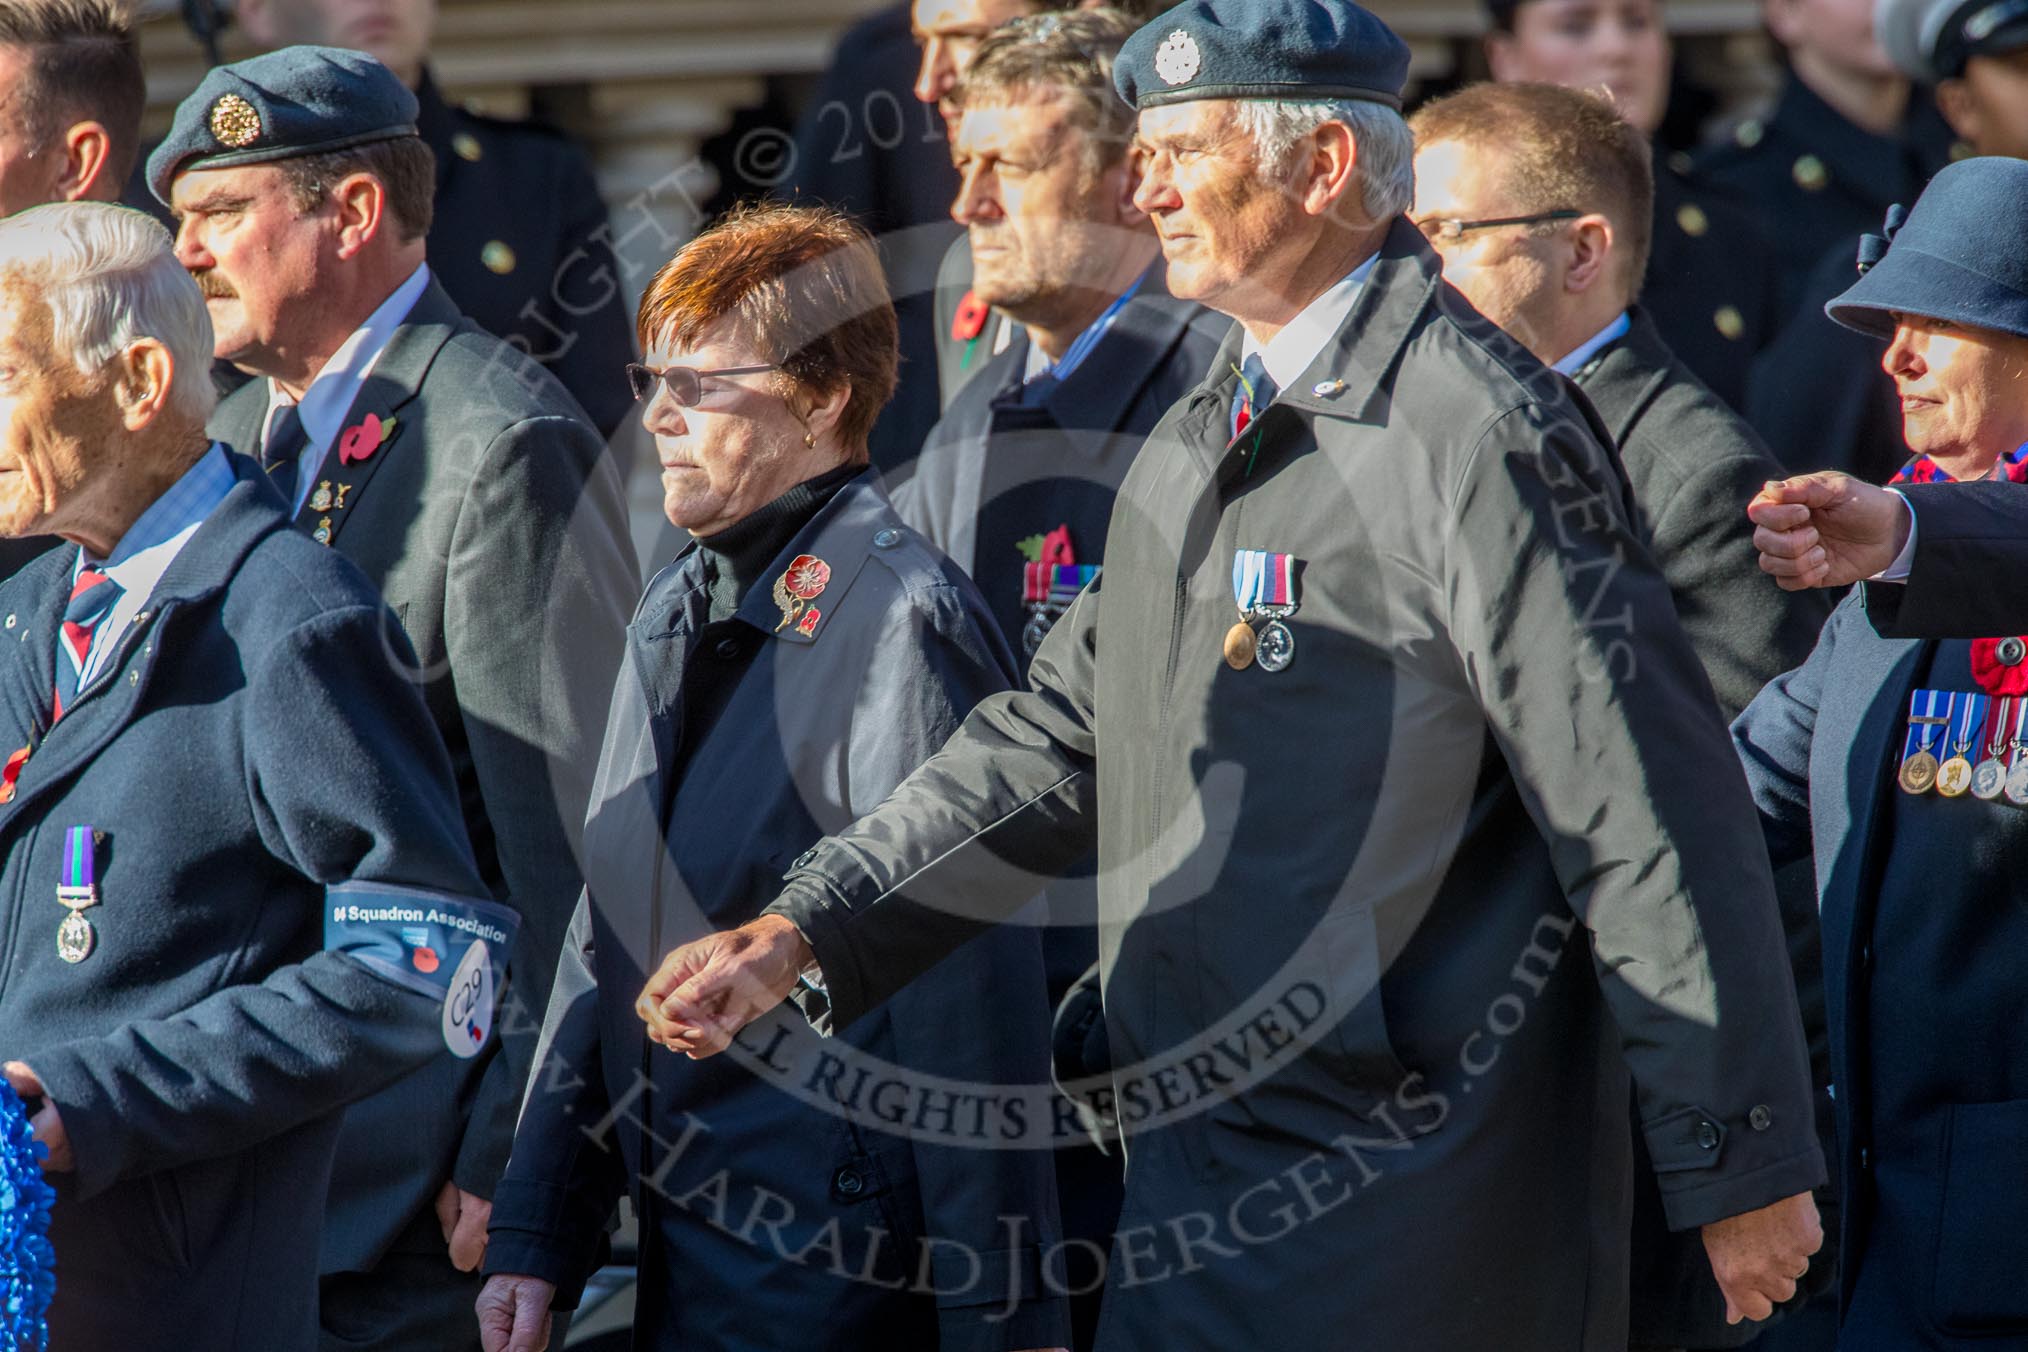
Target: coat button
848 1182
11 621
728 648
1707 1136
1865 1158
468 147
2010 651
887 537
497 257
1760 1119
803 859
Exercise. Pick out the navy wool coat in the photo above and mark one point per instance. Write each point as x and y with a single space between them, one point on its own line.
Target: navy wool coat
252 742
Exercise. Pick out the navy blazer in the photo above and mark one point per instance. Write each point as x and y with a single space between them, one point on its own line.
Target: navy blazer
734 778
1935 1232
253 741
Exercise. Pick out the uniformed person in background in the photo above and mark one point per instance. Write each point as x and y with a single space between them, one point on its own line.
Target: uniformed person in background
1344 582
1017 479
1573 180
520 239
1710 285
803 653
222 789
1847 138
71 94
471 489
1901 766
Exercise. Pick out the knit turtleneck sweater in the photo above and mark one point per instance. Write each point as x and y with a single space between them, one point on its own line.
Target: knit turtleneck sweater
737 558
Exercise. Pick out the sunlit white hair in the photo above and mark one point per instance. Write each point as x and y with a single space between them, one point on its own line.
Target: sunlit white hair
1386 150
110 277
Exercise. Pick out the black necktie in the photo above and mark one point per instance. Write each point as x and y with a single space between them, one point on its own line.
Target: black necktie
280 452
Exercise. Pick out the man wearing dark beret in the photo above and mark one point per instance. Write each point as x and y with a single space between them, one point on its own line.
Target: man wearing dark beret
470 487
542 275
1710 283
1418 827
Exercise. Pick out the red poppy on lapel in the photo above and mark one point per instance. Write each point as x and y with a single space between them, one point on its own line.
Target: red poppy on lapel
363 440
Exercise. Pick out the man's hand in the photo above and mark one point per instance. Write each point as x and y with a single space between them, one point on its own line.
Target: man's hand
704 992
47 1124
463 1218
514 1313
1827 530
1758 1257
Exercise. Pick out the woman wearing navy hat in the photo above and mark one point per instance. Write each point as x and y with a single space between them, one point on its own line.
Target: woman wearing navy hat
1902 765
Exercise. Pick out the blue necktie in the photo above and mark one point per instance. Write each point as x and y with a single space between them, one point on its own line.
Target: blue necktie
1256 391
92 598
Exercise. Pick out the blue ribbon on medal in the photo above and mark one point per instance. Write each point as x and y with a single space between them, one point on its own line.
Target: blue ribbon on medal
1264 588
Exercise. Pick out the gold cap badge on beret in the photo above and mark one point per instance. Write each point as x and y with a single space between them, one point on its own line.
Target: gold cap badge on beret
1177 60
234 122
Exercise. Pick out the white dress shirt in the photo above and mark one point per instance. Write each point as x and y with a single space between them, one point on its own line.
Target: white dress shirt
330 395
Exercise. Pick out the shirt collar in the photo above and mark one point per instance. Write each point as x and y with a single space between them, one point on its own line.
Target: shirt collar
1291 351
1573 361
330 395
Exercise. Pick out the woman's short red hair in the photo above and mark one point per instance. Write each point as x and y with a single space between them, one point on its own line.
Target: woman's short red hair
804 286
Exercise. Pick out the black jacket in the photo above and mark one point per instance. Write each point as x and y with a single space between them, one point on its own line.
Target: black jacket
492 521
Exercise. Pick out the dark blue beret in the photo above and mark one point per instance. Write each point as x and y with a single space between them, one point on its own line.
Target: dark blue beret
277 106
1291 50
1956 256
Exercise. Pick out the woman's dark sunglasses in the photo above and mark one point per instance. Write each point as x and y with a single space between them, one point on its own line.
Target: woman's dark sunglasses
684 383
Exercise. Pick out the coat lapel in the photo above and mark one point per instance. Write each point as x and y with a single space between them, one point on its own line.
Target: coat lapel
1103 389
384 395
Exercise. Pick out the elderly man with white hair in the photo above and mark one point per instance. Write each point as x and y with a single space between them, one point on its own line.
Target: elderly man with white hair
1419 833
218 929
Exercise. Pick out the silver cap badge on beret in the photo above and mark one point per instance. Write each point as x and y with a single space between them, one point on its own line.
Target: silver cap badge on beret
1177 60
234 122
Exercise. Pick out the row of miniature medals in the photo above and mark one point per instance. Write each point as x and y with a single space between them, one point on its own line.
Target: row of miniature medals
1965 741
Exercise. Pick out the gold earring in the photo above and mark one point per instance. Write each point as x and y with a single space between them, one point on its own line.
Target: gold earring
810 440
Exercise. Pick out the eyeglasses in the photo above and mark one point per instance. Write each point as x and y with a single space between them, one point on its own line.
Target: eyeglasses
684 383
1442 228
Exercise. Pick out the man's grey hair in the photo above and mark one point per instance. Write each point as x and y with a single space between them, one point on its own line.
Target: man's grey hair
1386 150
110 278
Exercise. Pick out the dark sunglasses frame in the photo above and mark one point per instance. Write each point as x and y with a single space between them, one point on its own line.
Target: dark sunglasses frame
684 383
1447 228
